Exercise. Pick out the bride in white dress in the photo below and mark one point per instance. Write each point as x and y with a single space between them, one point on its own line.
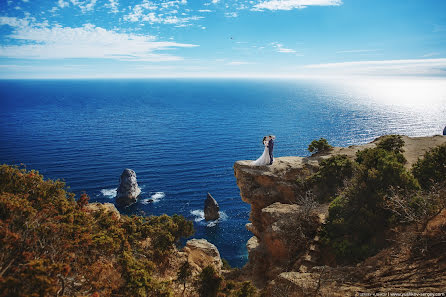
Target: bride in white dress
264 158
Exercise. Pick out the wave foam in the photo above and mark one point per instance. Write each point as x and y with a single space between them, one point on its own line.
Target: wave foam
199 218
154 198
109 193
158 196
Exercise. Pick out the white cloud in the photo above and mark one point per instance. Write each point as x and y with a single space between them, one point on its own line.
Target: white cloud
204 10
357 51
385 67
85 6
39 41
63 3
231 14
293 4
239 63
281 49
160 13
113 5
431 54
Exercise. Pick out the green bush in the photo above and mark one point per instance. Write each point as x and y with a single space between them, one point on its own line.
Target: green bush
208 282
320 145
247 290
359 216
330 176
431 169
392 143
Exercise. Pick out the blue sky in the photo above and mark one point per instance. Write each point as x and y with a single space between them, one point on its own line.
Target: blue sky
221 38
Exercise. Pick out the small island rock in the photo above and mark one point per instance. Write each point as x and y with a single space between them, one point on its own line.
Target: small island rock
211 208
128 189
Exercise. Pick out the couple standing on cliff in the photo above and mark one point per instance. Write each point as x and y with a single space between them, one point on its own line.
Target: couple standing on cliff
267 157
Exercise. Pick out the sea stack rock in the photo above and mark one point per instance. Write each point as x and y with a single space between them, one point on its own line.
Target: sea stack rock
128 189
211 209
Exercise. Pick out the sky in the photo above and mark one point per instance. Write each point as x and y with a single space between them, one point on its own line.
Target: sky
221 38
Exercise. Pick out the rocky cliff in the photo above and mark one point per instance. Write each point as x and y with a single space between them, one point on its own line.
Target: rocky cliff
284 252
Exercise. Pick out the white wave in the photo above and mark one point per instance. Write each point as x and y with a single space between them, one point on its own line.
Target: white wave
154 197
157 196
109 193
199 215
199 218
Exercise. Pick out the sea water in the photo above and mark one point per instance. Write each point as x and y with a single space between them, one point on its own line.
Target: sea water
182 136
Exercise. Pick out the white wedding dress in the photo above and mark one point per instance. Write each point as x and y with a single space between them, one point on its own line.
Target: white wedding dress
264 158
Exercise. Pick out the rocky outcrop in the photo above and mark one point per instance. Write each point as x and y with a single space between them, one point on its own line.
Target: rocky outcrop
285 236
211 209
105 207
128 190
201 253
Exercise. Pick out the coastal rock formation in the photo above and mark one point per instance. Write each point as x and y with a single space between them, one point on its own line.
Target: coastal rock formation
285 245
211 208
128 189
201 253
106 207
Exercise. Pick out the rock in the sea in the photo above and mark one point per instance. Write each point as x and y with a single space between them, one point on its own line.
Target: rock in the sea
211 209
128 189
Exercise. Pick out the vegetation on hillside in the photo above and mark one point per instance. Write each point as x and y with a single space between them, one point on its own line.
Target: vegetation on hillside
52 246
375 192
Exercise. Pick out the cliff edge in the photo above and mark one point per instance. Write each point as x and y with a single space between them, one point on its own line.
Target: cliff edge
284 253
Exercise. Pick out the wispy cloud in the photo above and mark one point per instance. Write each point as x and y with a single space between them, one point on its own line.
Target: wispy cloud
231 14
281 49
431 54
84 6
161 13
40 41
356 51
239 63
384 67
113 5
293 4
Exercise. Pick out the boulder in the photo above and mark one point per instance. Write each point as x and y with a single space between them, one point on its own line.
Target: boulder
128 189
201 253
105 207
211 208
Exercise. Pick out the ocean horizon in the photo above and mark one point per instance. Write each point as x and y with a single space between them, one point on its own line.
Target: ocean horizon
182 136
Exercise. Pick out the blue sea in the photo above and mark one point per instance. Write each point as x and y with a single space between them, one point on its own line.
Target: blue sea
182 136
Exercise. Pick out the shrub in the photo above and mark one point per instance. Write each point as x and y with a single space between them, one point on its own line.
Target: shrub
320 145
226 264
184 273
208 282
247 290
392 143
331 176
431 169
358 216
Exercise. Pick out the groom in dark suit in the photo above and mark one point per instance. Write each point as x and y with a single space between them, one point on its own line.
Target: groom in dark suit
270 149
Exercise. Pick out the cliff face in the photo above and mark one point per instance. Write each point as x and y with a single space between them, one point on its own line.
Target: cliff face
285 242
